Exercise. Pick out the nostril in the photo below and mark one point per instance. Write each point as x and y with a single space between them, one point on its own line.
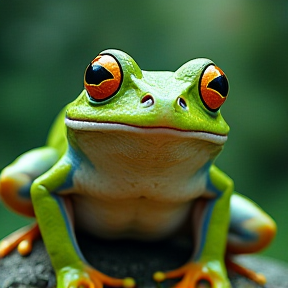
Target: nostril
147 100
182 103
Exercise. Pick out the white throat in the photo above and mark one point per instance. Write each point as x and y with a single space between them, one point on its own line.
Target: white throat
145 161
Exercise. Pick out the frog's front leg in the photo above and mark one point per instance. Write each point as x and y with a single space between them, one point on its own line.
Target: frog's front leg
50 196
211 219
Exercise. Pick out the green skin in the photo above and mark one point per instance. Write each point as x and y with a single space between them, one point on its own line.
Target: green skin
126 108
118 110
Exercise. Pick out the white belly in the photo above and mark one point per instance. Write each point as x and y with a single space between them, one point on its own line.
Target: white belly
130 218
138 184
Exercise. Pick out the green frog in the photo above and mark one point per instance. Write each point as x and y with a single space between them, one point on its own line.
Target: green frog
133 157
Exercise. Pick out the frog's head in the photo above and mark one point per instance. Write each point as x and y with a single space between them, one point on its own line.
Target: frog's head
118 95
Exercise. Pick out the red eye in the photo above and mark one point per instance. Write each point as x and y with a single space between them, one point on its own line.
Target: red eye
103 78
213 88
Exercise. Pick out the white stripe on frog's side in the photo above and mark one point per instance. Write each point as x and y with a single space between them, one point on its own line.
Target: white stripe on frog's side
95 126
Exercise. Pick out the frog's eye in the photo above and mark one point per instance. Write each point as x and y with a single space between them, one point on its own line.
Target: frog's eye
103 78
213 87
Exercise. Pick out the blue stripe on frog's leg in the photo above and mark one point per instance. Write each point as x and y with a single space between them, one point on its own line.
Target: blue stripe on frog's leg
202 212
201 216
75 158
66 209
251 229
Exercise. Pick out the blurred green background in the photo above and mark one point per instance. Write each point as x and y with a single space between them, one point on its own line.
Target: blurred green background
46 45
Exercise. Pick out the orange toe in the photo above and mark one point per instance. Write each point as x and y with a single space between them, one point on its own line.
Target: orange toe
194 275
22 239
99 279
250 274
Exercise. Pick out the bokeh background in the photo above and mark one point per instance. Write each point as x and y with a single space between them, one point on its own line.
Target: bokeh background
46 45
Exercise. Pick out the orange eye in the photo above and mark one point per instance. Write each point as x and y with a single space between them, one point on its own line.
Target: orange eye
213 88
103 78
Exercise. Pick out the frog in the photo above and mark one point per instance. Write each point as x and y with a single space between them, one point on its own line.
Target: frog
133 157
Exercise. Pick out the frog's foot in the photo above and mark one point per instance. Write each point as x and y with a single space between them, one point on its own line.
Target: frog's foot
195 275
21 239
88 277
250 274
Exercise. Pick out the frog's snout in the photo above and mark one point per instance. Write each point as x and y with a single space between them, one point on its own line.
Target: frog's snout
148 101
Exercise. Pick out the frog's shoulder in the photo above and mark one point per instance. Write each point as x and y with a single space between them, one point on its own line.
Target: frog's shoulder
219 180
57 135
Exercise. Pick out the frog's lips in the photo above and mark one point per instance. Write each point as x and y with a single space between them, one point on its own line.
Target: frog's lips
108 126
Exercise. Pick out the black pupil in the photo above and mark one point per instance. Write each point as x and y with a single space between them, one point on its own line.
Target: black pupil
96 74
220 84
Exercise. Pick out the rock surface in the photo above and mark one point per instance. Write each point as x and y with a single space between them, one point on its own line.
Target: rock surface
127 258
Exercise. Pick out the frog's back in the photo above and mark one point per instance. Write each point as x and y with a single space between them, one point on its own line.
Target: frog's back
57 136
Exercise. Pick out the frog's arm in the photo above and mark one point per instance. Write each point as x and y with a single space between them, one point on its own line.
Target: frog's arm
50 196
51 211
216 222
212 219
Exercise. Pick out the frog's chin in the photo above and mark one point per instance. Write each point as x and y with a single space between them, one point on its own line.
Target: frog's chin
108 126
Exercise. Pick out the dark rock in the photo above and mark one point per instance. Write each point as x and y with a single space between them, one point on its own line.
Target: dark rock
128 258
34 270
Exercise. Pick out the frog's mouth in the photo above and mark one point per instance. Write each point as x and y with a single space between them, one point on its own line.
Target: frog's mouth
110 126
